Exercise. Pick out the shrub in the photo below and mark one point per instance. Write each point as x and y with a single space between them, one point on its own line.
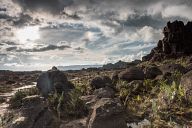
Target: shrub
67 105
171 93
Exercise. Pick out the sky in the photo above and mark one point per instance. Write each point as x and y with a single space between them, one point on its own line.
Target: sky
39 34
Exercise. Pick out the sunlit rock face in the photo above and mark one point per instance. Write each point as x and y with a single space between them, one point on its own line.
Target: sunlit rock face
53 80
176 42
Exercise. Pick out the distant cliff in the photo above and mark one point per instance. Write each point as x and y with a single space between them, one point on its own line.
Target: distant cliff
120 65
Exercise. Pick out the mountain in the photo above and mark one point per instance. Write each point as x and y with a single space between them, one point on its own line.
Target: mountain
77 67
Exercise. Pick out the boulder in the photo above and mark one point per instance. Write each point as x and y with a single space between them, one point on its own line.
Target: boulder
53 80
105 92
132 73
107 113
79 123
152 72
186 83
101 82
33 114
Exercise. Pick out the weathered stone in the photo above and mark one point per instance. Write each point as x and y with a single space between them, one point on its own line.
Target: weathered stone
53 80
152 72
186 83
34 114
100 82
107 113
131 74
106 92
79 123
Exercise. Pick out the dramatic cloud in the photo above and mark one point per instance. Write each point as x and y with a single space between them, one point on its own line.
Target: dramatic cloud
37 34
53 6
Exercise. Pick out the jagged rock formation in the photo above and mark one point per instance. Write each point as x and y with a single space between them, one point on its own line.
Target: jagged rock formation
177 42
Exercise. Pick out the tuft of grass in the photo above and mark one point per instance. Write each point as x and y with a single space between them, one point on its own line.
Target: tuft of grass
67 105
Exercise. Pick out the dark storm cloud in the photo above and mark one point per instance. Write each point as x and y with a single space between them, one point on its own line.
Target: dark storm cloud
97 30
22 20
9 43
49 47
40 49
144 20
4 16
11 49
53 6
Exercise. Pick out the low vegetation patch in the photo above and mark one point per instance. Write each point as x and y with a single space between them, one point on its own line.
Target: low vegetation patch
16 100
67 105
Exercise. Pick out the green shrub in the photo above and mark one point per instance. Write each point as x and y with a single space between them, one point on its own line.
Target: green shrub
172 92
67 105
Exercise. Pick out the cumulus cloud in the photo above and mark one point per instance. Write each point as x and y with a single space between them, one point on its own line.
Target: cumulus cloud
146 34
183 11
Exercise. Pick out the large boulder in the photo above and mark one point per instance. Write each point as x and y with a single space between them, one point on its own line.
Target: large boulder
107 113
152 72
33 114
132 73
186 83
53 80
101 82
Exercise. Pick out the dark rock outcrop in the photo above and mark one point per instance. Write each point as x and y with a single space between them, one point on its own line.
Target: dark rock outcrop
132 73
152 72
107 113
101 82
177 42
53 80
